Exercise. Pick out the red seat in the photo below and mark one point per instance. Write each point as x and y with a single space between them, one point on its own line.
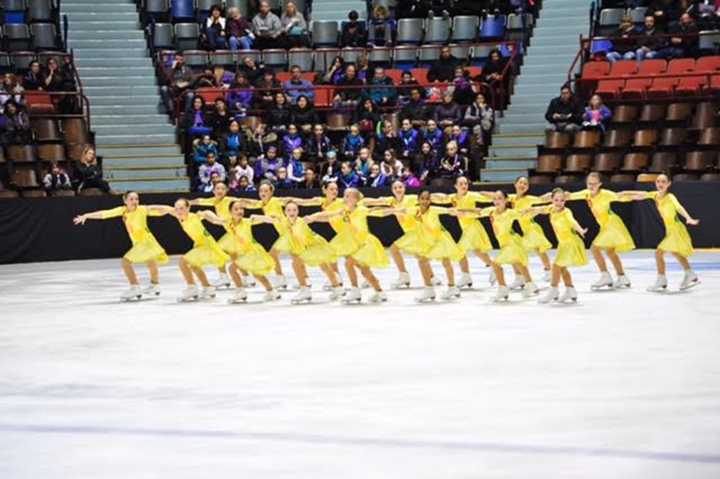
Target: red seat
623 68
595 70
609 89
209 95
715 83
394 74
652 67
39 101
283 76
474 71
662 87
636 87
708 64
323 96
681 65
689 86
420 75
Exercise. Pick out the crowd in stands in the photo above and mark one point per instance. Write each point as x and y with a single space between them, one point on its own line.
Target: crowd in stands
566 114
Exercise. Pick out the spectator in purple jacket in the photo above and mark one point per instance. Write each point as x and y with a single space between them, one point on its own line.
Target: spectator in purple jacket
291 140
348 177
596 114
241 94
266 166
207 170
296 86
239 30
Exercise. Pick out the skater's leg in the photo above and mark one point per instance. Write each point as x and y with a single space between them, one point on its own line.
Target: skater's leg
567 279
599 260
370 277
525 272
300 271
499 273
464 265
556 271
398 258
545 261
201 277
186 272
425 271
660 261
352 274
331 276
449 272
154 272
682 260
484 257
276 257
264 282
235 275
616 262
129 272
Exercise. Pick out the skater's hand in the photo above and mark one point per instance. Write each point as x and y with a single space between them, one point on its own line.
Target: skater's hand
80 220
582 232
692 221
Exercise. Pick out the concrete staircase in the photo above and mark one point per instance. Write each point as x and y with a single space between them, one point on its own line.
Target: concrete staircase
337 9
135 139
552 49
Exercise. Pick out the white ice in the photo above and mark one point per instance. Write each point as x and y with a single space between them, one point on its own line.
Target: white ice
622 385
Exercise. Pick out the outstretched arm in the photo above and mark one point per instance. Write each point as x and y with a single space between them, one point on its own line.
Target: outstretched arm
535 210
382 201
683 212
322 216
632 195
441 198
382 212
211 217
160 210
317 201
263 219
95 215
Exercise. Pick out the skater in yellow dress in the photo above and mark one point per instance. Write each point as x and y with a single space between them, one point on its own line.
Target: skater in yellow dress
221 202
571 248
677 241
306 248
360 248
249 255
205 251
145 248
474 237
427 239
512 250
613 237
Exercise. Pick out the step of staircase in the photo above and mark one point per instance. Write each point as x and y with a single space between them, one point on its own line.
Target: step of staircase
99 24
111 8
133 139
133 152
152 185
145 128
117 80
120 52
113 62
501 175
114 110
120 100
147 161
133 172
126 90
513 151
116 118
75 35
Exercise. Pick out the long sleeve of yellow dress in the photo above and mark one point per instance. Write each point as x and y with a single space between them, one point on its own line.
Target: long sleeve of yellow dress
571 248
145 248
206 251
613 233
677 239
533 238
512 250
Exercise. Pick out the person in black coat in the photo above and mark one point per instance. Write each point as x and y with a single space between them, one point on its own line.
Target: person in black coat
277 117
353 32
34 78
443 70
564 113
303 115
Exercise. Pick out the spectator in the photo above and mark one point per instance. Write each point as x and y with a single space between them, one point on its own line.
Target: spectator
381 89
390 166
303 114
239 30
563 112
34 78
376 179
353 32
16 125
410 139
623 44
318 144
211 168
707 12
178 78
447 113
296 86
277 117
415 110
232 141
461 137
366 117
11 89
266 166
380 27
480 117
54 80
596 114
221 78
363 162
56 179
215 33
686 43
649 43
387 139
443 69
426 163
462 87
453 164
364 71
89 172
494 68
202 148
267 86
196 124
330 169
205 80
252 70
294 26
664 12
267 28
241 94
409 179
244 185
290 141
407 84
310 180
434 135
351 88
348 177
282 181
242 169
220 118
352 143
260 141
295 168
335 72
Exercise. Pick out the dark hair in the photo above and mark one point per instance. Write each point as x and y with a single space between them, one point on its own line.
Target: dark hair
353 15
126 194
215 8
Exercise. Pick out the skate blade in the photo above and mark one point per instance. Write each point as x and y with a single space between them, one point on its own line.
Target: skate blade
691 285
237 301
300 301
133 299
188 300
425 300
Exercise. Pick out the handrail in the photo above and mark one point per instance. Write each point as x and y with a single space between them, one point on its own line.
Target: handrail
578 57
66 25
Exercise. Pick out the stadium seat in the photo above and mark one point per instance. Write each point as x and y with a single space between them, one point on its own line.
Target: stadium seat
302 57
673 136
710 177
21 153
652 112
516 28
163 36
380 56
680 66
196 58
710 137
638 14
541 180
678 112
461 52
40 11
493 27
21 60
704 116
323 58
323 96
645 137
324 33
480 53
663 161
187 36
405 56
618 137
75 131
682 177
586 139
708 64
420 75
609 89
14 11
556 139
182 10
24 178
709 41
427 55
634 162
699 160
351 54
567 179
610 18
691 86
577 163
51 152
275 58
606 162
625 114
595 70
437 30
549 164
44 36
209 95
17 37
662 87
157 9
410 31
39 101
45 129
624 68
394 74
225 58
465 28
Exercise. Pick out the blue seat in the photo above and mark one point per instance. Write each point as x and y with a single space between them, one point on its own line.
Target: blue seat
493 27
182 10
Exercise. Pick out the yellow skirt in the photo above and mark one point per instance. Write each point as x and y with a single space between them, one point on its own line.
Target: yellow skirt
317 252
571 252
677 240
534 238
282 244
371 254
475 238
229 244
208 254
255 260
146 251
614 235
413 242
444 248
512 252
344 243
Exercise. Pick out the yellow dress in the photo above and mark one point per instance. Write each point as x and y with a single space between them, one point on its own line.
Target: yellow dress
222 209
332 206
533 236
427 237
304 243
205 249
613 232
145 247
355 240
571 249
474 237
512 250
251 256
677 239
274 207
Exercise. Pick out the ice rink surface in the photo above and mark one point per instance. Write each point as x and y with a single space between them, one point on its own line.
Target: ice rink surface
623 384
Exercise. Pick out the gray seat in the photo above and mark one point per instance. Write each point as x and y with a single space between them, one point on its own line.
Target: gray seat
240 4
21 60
254 54
44 36
196 58
481 52
325 33
461 52
204 5
465 28
638 14
302 57
5 62
410 31
437 30
351 54
275 58
709 40
40 11
163 36
17 36
14 5
515 22
380 56
323 58
611 16
428 53
156 7
46 55
226 58
405 54
186 36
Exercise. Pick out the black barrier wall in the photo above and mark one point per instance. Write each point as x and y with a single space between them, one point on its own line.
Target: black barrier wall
41 229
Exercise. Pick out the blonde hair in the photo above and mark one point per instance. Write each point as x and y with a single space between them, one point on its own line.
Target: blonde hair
85 151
